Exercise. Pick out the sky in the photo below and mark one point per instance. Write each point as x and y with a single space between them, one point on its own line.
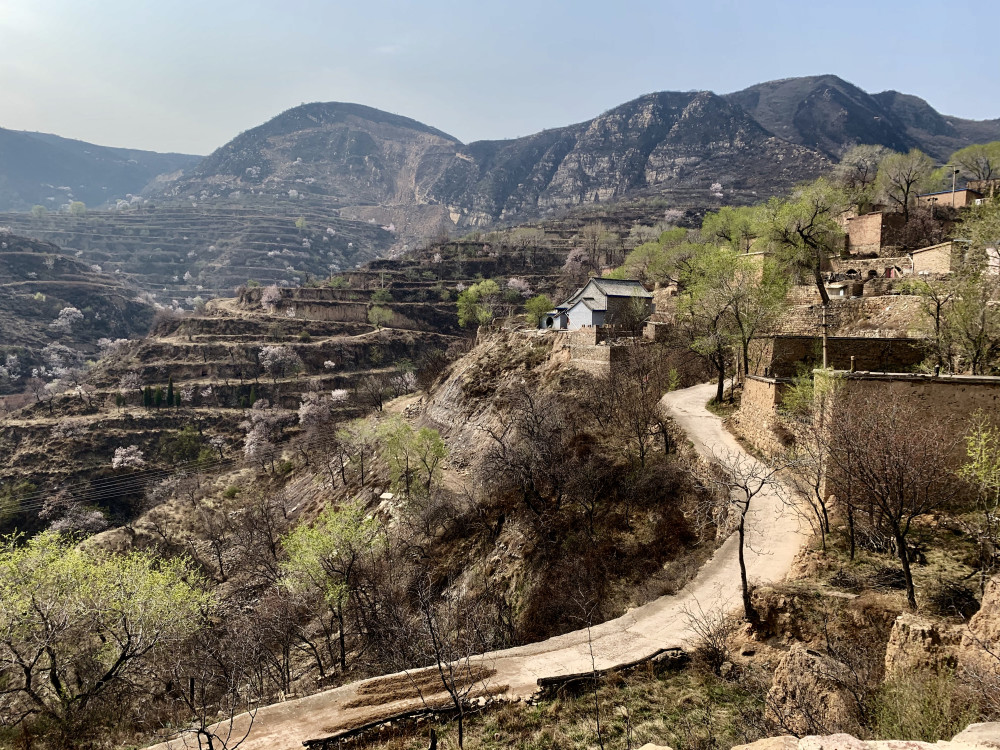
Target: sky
180 75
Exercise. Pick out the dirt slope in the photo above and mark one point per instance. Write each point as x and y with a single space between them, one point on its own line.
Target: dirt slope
775 538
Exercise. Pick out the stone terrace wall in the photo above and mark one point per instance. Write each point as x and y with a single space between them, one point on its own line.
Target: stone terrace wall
757 419
948 401
784 356
599 359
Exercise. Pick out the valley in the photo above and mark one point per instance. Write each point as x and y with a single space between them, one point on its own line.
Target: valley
677 424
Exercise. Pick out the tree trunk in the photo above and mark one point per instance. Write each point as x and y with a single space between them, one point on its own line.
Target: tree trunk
749 612
340 637
818 276
850 527
911 596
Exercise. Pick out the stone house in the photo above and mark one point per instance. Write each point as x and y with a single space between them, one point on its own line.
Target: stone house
936 259
869 233
602 302
950 199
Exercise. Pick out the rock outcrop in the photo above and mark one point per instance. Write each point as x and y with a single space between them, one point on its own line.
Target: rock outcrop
974 737
917 644
810 693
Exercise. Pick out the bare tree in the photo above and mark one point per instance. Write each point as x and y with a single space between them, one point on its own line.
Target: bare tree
742 479
456 634
898 463
219 683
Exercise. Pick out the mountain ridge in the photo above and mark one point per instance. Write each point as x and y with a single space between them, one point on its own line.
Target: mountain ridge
374 165
49 170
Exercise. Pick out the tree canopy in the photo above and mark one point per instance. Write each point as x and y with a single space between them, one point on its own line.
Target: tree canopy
76 625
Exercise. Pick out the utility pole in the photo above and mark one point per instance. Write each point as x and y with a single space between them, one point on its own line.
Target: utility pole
824 336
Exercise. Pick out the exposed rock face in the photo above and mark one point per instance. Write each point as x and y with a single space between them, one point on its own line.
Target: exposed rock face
809 694
980 646
973 737
917 644
984 626
358 158
829 114
781 612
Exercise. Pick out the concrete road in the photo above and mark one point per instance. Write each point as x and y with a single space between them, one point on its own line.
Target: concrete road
774 538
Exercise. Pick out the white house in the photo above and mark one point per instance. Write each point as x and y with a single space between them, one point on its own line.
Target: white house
602 302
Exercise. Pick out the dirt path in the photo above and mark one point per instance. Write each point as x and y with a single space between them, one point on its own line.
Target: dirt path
775 537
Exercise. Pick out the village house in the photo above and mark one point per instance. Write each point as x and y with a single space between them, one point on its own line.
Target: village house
950 198
869 233
602 302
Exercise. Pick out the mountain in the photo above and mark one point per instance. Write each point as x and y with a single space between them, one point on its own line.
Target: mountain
43 169
324 187
373 165
829 114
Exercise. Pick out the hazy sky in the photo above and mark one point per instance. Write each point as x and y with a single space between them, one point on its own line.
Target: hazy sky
187 76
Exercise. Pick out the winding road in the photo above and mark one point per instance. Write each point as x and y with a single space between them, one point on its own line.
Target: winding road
775 536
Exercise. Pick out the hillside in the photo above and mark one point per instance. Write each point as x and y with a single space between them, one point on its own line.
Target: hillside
46 170
373 165
368 184
37 281
186 251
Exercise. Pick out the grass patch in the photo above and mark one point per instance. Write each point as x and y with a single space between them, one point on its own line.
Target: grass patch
687 710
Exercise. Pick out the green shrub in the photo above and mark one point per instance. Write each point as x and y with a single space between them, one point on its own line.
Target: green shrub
304 336
231 491
923 706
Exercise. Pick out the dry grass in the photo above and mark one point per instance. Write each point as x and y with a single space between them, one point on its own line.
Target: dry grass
687 710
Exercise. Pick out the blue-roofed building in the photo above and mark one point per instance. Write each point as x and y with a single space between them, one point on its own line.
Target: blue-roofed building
602 302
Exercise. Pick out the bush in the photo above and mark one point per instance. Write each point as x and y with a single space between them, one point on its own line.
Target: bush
949 598
381 296
535 309
231 491
923 706
305 337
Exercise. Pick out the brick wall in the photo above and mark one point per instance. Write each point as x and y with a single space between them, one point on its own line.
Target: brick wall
864 233
934 260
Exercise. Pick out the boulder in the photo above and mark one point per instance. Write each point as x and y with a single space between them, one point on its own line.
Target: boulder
980 735
809 694
917 644
974 737
784 742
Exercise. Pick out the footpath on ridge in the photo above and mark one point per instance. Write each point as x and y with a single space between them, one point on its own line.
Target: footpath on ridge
775 536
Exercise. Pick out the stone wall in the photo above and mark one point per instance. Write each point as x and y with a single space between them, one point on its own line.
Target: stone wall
949 401
757 419
600 359
785 356
871 268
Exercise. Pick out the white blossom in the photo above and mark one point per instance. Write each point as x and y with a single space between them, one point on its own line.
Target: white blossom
128 458
66 319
